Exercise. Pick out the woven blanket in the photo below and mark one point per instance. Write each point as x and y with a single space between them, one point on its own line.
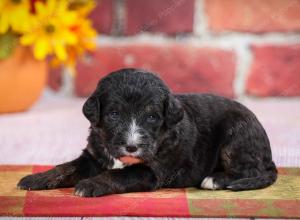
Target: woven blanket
281 200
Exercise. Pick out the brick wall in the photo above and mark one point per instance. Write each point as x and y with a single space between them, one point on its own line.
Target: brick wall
230 47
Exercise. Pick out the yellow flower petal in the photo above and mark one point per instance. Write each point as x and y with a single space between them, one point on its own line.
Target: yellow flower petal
27 39
69 37
70 19
60 51
14 16
41 48
52 4
40 8
4 23
86 8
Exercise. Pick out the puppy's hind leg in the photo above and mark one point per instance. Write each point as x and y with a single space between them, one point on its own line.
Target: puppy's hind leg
245 155
240 181
219 180
242 176
262 180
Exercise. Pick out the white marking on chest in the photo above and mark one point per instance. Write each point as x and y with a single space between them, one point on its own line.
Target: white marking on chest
208 183
133 137
117 164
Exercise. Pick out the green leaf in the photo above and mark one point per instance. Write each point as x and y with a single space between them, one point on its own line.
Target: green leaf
8 42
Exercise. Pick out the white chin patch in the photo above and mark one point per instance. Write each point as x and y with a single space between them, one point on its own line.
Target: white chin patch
208 183
133 136
118 164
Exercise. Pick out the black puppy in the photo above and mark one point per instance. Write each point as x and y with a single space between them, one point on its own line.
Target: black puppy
184 140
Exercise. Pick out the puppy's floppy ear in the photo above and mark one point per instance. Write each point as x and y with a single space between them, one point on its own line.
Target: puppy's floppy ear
91 109
173 111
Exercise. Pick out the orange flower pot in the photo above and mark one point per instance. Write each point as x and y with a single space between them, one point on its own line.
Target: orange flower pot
22 79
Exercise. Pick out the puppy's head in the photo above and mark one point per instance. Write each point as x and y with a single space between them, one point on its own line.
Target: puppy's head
131 109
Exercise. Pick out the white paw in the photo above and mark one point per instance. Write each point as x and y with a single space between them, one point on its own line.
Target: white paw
79 193
208 183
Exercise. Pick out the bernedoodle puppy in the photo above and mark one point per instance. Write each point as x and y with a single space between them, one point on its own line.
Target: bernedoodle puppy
143 137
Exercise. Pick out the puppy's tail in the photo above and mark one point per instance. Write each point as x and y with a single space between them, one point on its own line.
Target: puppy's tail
258 182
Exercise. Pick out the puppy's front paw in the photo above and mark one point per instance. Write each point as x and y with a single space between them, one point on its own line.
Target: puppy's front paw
91 188
39 181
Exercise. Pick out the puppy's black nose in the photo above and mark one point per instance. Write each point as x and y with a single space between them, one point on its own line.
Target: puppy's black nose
131 149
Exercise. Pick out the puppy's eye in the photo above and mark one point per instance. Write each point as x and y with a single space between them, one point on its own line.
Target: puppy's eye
151 118
114 115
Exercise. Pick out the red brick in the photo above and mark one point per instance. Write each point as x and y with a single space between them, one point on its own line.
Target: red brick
275 71
167 16
102 16
55 78
185 68
254 15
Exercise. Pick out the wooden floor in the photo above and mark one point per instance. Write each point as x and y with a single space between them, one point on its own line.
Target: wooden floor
55 131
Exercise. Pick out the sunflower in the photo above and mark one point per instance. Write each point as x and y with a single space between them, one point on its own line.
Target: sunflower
14 14
83 30
86 40
50 31
83 7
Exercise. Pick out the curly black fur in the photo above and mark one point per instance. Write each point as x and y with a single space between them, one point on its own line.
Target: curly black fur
184 140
